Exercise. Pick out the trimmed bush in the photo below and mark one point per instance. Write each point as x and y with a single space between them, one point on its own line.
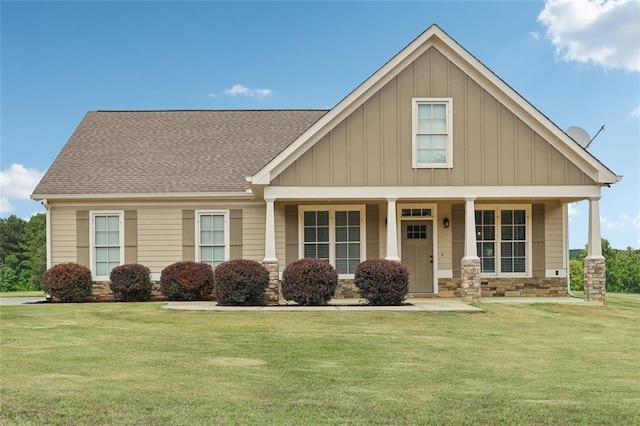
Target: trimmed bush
240 282
68 282
382 282
131 283
309 282
186 281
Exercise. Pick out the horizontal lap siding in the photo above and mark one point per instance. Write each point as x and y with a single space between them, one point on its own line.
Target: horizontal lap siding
253 229
63 235
159 229
159 236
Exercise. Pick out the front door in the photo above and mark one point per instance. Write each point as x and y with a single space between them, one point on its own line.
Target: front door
417 254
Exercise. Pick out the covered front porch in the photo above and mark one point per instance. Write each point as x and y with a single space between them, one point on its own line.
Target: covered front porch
499 243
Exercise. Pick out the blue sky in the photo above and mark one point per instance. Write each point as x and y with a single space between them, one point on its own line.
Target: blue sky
578 61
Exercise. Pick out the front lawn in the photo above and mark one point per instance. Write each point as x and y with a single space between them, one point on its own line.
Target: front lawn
141 364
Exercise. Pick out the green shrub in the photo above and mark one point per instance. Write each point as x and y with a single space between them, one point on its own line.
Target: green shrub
68 282
382 282
186 281
240 282
131 283
309 282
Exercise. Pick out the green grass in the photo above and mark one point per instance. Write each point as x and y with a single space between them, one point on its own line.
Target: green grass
141 364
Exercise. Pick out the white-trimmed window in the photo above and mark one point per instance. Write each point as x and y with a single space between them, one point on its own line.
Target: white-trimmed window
503 239
212 237
335 234
107 242
432 133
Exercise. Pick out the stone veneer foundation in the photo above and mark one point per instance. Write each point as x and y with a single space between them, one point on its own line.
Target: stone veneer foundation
594 279
101 292
272 295
470 281
507 287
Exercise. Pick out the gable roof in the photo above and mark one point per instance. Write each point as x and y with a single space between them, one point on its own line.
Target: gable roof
168 152
435 37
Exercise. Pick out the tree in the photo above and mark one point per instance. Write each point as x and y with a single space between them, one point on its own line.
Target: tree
22 253
34 248
576 271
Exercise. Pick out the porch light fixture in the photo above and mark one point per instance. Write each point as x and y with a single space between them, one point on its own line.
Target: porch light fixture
445 222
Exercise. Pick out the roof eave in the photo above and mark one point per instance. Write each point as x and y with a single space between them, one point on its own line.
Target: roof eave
134 196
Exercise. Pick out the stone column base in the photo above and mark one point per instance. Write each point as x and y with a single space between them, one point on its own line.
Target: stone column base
594 279
470 274
272 294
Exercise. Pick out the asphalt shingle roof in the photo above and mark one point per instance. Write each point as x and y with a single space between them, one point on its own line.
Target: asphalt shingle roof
153 152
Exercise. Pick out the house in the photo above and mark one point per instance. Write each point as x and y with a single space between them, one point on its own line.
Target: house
433 161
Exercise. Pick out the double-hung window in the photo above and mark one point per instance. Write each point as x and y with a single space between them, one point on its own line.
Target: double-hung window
503 240
107 247
334 234
212 237
432 133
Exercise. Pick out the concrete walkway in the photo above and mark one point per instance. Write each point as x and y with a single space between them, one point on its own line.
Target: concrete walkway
411 305
20 300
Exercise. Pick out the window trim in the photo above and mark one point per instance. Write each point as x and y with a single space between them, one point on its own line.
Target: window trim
92 237
227 237
332 230
415 102
528 273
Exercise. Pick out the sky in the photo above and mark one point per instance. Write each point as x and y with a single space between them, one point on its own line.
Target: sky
577 61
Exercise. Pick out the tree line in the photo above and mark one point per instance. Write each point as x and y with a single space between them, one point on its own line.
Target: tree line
623 268
23 253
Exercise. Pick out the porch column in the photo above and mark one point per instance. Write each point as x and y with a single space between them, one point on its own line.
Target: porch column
470 265
594 263
392 231
270 261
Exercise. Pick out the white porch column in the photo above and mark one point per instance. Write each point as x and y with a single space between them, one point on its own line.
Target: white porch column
470 250
470 269
594 245
595 275
392 231
270 233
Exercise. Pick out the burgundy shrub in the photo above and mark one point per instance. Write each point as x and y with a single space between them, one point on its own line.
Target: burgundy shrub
240 282
309 282
131 283
186 281
382 282
68 282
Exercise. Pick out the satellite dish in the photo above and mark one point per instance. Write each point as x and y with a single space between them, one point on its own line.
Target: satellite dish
579 135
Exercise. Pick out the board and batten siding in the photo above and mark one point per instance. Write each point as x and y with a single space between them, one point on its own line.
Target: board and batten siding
372 146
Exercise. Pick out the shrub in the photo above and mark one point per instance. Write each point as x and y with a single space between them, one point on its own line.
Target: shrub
68 282
240 282
186 281
382 282
309 282
131 283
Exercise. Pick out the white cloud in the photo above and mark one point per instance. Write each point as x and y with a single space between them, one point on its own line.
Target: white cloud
573 211
240 90
16 183
634 113
604 32
534 35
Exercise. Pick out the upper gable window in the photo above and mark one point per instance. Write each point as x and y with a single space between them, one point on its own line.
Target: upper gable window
432 133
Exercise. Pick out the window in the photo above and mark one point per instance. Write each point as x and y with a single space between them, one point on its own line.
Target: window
432 133
333 234
212 237
107 248
502 241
